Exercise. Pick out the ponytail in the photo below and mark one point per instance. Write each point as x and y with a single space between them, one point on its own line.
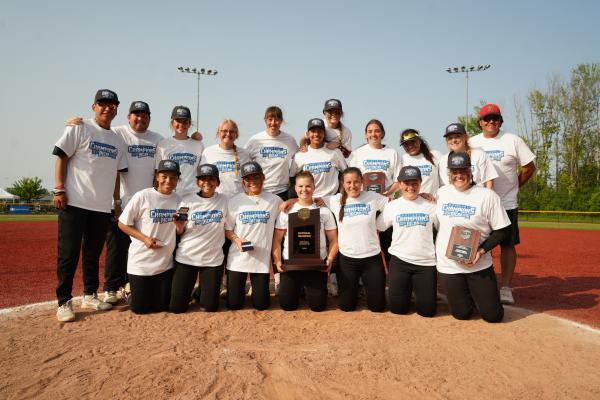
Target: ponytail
344 195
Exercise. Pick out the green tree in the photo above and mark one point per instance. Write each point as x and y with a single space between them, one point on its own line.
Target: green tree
472 124
28 189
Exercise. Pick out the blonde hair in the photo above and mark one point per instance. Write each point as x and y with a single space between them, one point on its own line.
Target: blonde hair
236 161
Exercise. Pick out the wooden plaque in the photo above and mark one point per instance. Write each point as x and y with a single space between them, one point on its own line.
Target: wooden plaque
463 244
374 182
304 235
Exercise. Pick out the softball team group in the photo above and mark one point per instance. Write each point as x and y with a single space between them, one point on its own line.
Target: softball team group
196 214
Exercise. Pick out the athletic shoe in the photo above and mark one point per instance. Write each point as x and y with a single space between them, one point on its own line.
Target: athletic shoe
506 296
223 291
332 286
110 297
65 312
92 301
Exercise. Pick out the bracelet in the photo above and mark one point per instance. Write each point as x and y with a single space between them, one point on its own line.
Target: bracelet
61 186
117 202
58 192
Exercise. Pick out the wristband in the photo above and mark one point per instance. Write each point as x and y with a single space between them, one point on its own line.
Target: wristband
117 202
57 192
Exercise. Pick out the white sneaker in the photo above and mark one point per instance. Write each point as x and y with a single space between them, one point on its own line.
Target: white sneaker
92 301
110 297
332 286
65 312
506 296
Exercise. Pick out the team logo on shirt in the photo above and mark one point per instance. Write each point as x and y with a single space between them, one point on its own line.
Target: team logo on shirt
426 169
141 150
254 217
207 217
273 152
376 165
162 215
318 167
458 210
184 158
225 166
495 155
354 210
412 219
103 150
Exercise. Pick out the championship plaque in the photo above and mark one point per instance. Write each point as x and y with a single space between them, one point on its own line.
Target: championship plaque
374 182
304 235
463 244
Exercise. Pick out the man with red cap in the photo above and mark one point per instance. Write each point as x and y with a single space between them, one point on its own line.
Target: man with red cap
514 164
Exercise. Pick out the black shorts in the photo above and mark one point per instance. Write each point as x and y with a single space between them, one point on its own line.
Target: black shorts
513 238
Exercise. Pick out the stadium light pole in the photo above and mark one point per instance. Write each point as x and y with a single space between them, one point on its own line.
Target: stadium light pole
197 72
465 70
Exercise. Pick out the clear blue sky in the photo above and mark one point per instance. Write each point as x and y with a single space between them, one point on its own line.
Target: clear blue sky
383 59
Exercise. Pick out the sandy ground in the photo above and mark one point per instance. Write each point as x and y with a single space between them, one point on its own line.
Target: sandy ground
296 355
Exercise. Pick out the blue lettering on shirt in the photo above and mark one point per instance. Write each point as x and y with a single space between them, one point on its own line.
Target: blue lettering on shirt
207 217
184 158
412 219
376 165
318 167
141 150
161 215
495 155
273 152
225 166
254 217
458 210
103 150
354 210
426 169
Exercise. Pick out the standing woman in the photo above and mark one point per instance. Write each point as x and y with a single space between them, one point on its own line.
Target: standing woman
182 149
201 236
273 150
412 266
457 140
462 203
374 156
314 282
360 252
324 164
227 157
249 225
148 219
337 135
419 155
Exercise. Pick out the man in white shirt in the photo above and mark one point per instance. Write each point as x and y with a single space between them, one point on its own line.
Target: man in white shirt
508 153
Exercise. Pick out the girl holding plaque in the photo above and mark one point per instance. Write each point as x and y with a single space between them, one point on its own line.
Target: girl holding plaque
314 281
419 155
464 204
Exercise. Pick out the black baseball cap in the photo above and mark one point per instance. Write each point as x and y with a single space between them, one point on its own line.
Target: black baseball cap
409 134
409 173
106 96
139 107
455 128
315 123
207 170
168 165
181 112
250 168
332 104
459 161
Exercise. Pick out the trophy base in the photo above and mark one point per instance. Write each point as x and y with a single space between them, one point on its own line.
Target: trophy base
309 266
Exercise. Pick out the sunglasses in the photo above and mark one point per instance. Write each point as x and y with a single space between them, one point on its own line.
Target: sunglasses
489 118
110 106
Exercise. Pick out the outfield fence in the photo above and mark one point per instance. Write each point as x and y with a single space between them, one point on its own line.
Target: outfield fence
588 217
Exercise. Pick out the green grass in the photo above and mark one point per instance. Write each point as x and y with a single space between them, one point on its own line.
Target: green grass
582 226
28 218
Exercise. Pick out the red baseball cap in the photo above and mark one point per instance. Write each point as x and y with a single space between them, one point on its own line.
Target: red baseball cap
489 109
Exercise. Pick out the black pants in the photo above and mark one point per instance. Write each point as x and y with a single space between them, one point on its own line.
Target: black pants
404 277
372 272
117 248
150 293
236 290
283 195
478 288
315 284
77 225
184 279
385 240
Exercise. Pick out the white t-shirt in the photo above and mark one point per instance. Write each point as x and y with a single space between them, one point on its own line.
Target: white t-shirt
369 159
151 213
508 152
274 154
429 172
357 232
476 208
332 134
228 166
324 164
481 165
327 224
201 243
95 155
141 150
413 222
252 218
187 153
